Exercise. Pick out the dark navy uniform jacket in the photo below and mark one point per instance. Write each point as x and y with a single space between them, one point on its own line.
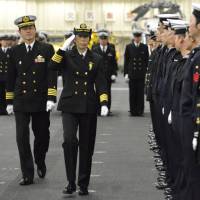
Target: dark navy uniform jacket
136 60
190 94
4 59
29 83
109 58
82 76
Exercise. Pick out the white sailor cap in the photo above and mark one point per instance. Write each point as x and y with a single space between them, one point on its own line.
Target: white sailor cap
164 17
103 33
180 29
137 32
174 22
196 9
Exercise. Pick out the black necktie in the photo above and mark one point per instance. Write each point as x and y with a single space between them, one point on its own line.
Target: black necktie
82 56
29 48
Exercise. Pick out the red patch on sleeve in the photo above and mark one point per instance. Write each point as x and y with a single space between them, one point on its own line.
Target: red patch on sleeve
196 77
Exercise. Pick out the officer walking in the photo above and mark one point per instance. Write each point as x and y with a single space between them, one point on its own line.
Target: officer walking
83 72
30 94
107 51
4 58
135 64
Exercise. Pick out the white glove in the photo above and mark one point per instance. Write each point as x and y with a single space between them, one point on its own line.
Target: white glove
9 109
195 140
104 110
163 110
126 77
194 143
170 118
50 106
67 43
113 77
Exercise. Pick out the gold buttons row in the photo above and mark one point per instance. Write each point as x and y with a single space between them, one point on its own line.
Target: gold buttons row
24 82
24 91
85 93
24 74
76 82
86 73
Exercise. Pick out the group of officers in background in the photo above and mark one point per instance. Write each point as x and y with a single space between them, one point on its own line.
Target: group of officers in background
173 92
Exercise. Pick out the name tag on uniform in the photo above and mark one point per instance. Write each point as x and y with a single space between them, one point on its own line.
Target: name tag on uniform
110 54
39 59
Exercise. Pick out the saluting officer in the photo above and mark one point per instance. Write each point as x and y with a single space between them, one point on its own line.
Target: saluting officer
83 72
31 93
4 58
135 64
107 51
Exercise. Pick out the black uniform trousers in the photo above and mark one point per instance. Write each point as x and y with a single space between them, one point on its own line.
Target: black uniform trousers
86 123
40 127
191 190
2 98
180 181
136 96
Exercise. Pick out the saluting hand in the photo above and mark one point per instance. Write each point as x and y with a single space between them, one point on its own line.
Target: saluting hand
67 43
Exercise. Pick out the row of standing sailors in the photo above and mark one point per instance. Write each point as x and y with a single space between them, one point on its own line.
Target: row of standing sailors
174 95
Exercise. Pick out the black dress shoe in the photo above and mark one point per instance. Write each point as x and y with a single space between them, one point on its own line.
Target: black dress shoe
26 181
71 188
41 170
161 185
83 191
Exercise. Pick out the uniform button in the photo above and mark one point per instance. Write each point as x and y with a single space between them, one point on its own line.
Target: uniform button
6 71
6 67
76 82
77 73
85 83
76 92
33 72
24 82
0 70
24 74
35 90
34 81
24 91
86 73
85 93
0 66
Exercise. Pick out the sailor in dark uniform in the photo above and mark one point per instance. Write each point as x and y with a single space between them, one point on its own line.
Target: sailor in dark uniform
4 59
30 94
190 113
136 58
107 51
83 72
